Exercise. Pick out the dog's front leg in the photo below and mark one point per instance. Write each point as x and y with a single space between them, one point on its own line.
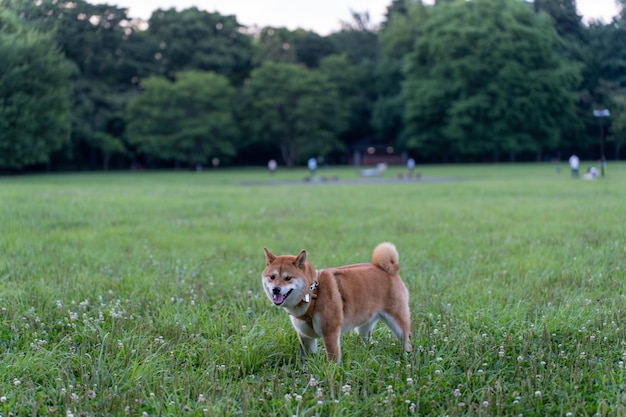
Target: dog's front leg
307 345
332 343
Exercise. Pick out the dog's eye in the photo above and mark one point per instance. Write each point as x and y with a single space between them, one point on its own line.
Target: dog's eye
287 278
272 277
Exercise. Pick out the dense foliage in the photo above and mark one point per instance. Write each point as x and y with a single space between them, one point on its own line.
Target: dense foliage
34 95
189 120
478 80
297 109
483 80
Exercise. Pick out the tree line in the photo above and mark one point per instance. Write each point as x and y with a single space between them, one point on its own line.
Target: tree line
85 86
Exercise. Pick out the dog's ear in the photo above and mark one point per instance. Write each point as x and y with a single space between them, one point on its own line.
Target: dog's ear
300 259
269 257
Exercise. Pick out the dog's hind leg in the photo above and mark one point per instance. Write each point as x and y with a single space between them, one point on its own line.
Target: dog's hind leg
400 325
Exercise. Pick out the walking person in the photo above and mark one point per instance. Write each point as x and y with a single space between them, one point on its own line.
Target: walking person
574 164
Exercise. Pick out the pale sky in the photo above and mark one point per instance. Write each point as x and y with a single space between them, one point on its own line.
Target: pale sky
321 16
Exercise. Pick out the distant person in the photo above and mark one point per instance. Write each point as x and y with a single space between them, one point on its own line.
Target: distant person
410 164
312 166
271 165
574 164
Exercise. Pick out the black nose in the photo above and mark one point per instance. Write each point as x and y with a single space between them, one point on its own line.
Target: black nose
276 290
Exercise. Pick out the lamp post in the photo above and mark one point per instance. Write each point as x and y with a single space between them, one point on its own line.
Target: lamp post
601 114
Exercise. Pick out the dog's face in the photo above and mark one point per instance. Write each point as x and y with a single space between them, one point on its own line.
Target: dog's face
284 279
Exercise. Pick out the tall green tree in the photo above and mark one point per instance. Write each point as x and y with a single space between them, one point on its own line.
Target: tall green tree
312 48
34 92
575 48
352 84
606 81
294 108
396 40
90 35
279 44
275 44
486 80
189 120
203 41
567 21
357 39
100 40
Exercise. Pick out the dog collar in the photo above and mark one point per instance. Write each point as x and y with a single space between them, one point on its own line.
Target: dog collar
310 297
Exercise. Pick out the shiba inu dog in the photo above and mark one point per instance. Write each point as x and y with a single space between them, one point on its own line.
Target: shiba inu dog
328 302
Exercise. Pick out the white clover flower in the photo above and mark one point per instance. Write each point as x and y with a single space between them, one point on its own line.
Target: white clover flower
538 394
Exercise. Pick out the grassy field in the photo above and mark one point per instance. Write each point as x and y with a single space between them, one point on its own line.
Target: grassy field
139 294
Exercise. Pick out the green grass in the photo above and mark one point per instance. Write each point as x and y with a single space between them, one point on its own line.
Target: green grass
134 294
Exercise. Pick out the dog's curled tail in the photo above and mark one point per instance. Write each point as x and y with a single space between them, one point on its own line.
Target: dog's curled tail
385 256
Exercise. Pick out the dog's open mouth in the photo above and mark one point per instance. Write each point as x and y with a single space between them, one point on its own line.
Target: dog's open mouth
278 299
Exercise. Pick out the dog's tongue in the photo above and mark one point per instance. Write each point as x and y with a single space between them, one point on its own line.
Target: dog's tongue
278 299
